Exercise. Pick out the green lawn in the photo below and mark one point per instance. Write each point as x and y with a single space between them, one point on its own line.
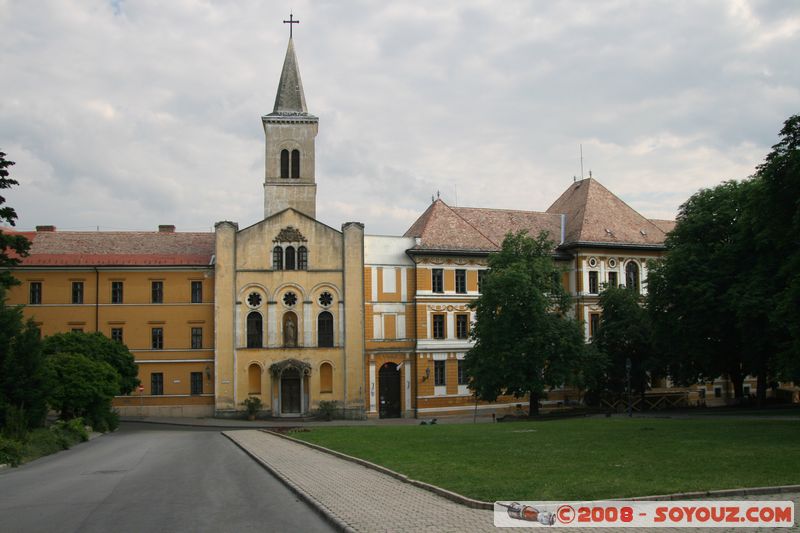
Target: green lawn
580 458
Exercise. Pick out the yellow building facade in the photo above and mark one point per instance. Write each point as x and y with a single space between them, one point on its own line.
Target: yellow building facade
296 313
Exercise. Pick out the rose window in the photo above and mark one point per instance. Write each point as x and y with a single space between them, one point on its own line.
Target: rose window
325 299
289 299
254 299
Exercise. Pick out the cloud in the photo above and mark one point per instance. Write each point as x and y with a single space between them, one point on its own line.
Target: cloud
130 114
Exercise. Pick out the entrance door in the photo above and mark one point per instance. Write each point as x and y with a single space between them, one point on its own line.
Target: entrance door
290 392
389 389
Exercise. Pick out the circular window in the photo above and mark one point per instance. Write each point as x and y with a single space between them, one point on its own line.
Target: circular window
325 299
254 299
612 263
289 299
592 262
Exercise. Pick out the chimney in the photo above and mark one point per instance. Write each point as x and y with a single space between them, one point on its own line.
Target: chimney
46 228
166 228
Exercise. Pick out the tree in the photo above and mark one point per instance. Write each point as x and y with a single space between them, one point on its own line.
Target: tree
775 224
12 246
624 334
695 291
82 387
24 378
100 348
524 340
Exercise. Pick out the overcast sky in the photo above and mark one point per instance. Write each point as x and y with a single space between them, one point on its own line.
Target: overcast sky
129 114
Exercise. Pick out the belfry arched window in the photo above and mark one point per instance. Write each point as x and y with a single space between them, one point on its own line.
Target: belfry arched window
255 334
632 276
277 258
295 164
290 264
325 330
302 258
284 163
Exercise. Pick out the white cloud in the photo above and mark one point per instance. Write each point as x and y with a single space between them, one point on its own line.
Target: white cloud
131 114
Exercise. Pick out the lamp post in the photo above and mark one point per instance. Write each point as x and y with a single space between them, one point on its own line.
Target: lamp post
628 380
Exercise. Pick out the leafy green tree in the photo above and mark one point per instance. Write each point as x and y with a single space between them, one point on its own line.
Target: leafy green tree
12 246
625 333
98 347
775 224
524 340
24 377
82 387
588 374
695 291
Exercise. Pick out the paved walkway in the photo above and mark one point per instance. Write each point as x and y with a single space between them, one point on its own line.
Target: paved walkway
363 499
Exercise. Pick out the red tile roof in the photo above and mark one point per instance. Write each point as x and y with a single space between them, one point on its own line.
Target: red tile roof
591 213
129 248
446 228
595 215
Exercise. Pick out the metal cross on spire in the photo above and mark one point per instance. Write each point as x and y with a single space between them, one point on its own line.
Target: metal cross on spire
290 22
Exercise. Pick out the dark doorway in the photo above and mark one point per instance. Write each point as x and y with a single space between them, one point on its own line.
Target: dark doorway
290 392
389 389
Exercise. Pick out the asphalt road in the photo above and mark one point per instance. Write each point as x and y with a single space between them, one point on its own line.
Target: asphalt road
150 478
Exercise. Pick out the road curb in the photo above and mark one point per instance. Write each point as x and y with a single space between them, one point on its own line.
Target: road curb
302 494
477 504
444 493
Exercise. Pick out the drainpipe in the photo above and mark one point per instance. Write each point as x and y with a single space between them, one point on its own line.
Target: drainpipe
96 299
415 361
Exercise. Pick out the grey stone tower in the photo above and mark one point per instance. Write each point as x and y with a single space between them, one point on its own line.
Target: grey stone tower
290 132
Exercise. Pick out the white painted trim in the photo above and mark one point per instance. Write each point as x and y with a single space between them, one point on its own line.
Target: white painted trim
374 280
408 384
404 283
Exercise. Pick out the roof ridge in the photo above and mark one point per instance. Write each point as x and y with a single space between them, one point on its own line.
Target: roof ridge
506 210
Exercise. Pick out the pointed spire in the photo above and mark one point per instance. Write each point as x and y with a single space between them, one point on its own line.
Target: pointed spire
290 99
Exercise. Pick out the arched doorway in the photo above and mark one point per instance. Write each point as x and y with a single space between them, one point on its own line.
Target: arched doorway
291 388
389 391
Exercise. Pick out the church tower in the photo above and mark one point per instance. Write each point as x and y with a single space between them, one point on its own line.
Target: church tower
290 132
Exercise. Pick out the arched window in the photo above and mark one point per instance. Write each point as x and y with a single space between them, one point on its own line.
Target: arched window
254 379
325 330
295 164
302 258
326 377
632 276
284 163
290 329
290 258
277 258
255 333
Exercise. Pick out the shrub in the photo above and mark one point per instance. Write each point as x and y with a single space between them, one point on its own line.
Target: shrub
252 404
10 451
16 424
72 429
328 409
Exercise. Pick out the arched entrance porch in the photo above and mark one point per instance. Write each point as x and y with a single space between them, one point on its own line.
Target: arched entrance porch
291 396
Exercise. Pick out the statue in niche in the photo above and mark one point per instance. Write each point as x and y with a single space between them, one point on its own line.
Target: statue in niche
289 330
